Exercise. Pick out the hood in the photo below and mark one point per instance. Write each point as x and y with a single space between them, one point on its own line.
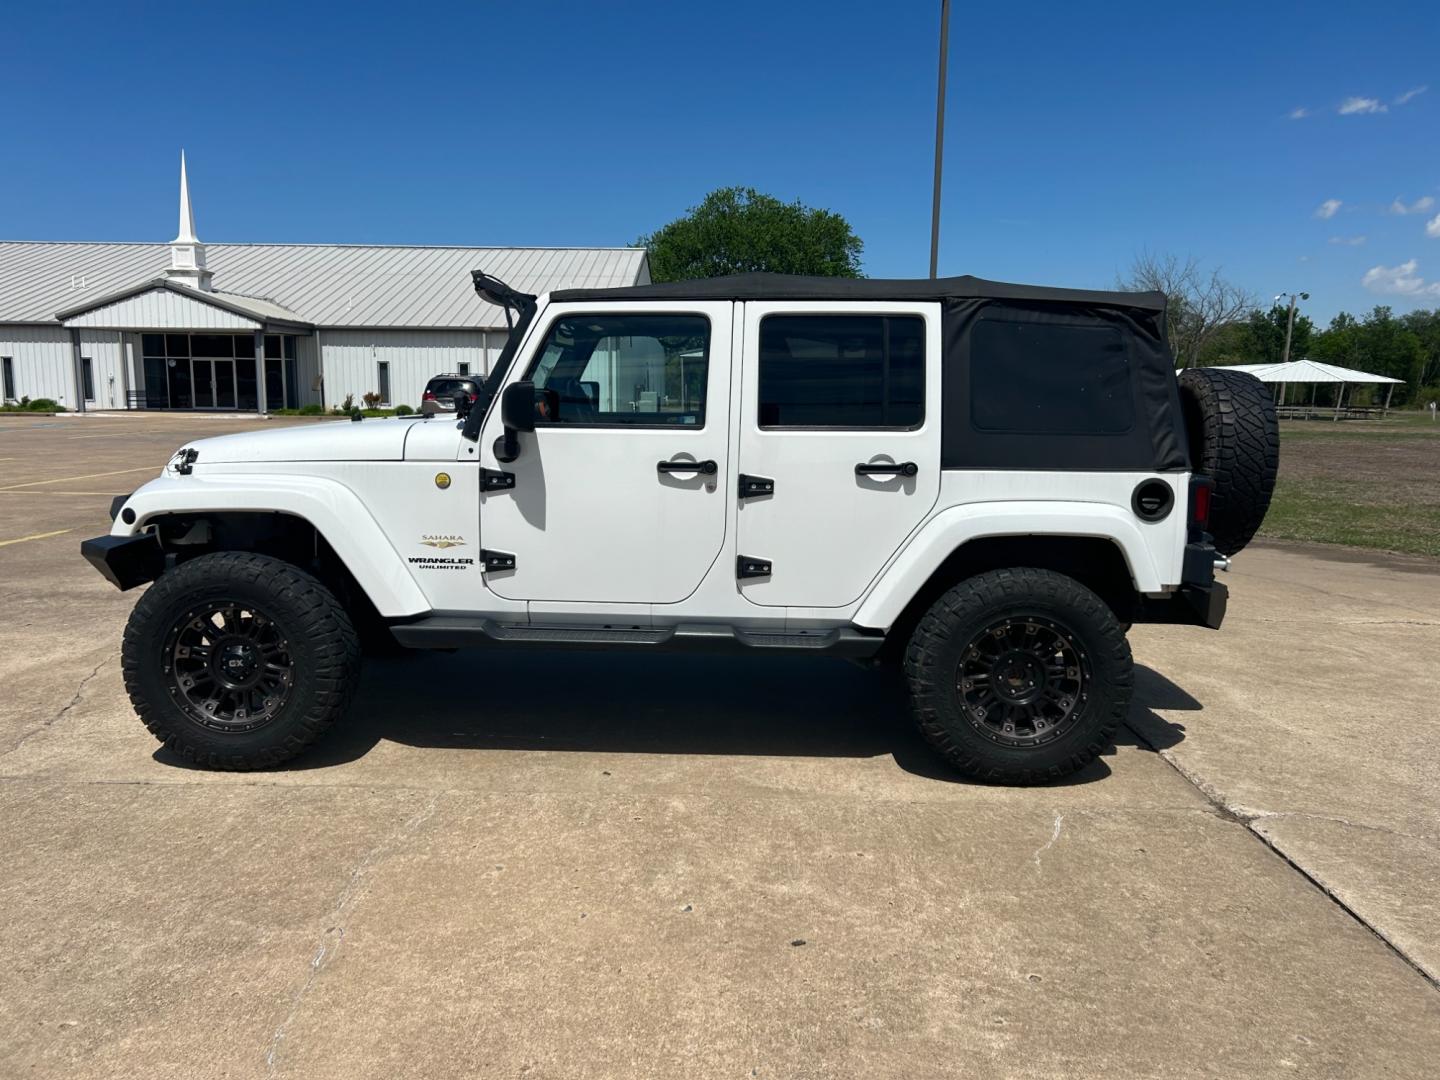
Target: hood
381 439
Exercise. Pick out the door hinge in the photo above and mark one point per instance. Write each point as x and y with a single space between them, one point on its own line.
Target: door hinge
497 560
747 566
751 486
496 480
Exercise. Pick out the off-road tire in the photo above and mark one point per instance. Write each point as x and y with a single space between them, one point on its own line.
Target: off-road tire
1234 440
944 637
322 644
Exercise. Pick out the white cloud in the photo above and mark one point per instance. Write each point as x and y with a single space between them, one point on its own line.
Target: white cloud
1413 92
1353 105
1326 210
1419 206
1348 241
1402 280
1299 113
1432 227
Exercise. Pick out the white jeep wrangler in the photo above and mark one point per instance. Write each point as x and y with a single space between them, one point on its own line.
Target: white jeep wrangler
986 483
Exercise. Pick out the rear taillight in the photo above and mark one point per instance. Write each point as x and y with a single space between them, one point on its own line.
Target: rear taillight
1200 489
474 396
427 396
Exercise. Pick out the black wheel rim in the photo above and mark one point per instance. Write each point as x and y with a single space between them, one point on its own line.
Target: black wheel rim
1023 681
228 666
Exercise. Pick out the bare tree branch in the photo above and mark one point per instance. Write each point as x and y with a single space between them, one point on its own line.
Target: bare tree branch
1198 304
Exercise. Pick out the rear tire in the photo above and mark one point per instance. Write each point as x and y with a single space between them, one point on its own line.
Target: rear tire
1234 440
1019 676
239 661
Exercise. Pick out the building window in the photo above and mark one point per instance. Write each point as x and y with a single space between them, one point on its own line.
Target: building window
842 371
87 377
382 373
464 367
8 364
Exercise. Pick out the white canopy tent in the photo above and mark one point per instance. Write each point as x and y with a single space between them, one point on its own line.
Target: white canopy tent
1315 373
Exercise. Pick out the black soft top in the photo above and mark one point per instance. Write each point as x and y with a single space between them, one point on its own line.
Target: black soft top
1032 377
796 287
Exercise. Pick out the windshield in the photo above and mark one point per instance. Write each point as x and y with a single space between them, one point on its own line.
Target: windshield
491 386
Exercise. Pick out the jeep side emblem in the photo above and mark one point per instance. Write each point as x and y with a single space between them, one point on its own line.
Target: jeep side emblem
442 480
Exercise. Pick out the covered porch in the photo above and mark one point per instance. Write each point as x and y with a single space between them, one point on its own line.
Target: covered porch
188 348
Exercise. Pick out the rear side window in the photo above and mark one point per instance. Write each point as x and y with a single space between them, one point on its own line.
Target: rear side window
842 371
1049 379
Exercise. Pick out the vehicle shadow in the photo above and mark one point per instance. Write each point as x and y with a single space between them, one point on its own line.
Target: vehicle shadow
608 702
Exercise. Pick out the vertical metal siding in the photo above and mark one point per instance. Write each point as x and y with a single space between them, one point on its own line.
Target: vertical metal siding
414 356
41 356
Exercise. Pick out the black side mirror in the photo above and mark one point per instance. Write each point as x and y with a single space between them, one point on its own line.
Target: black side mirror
517 413
517 406
462 405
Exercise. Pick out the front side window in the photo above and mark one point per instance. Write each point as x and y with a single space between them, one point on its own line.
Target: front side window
842 371
8 365
382 376
638 370
87 374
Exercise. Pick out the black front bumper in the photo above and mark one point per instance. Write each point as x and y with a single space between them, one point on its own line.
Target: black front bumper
125 561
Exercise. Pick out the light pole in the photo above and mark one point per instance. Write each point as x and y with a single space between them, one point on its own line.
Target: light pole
1290 322
939 135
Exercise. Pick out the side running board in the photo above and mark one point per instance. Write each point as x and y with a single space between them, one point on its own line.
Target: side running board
460 631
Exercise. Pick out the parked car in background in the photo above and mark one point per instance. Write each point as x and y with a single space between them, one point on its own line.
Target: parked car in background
440 393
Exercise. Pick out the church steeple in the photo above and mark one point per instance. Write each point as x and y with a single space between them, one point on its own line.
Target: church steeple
187 253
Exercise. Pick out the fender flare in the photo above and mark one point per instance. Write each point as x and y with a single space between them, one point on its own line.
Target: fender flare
939 537
335 511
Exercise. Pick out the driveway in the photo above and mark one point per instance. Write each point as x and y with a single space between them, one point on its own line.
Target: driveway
598 865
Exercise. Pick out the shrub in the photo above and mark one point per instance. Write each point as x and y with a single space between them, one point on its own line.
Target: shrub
348 405
372 400
311 410
403 410
45 404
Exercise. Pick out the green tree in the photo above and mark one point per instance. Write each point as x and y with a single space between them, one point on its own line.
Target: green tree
1266 333
735 230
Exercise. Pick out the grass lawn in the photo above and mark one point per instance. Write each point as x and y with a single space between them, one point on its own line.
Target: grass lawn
1371 484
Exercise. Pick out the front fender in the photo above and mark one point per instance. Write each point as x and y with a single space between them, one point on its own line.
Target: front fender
949 529
335 511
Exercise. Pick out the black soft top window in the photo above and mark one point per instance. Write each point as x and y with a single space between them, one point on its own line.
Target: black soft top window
1049 378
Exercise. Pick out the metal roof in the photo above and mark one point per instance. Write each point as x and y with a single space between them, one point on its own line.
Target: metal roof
355 285
1309 371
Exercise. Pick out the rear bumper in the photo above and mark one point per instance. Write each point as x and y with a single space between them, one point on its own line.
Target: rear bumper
1199 601
125 561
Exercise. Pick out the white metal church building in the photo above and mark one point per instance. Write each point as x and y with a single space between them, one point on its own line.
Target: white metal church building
253 327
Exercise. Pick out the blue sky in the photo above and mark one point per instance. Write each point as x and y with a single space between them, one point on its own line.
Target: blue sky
1077 135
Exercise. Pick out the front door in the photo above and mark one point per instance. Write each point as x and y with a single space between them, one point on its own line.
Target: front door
840 408
202 378
621 492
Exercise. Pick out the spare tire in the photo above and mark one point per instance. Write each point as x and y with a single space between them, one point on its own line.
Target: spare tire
1234 440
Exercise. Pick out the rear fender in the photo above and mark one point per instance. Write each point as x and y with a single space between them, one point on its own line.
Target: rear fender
335 511
912 568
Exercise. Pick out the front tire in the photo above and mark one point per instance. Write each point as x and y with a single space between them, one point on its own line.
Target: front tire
1019 676
239 661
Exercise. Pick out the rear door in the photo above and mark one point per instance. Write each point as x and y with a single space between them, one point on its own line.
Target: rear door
839 444
621 492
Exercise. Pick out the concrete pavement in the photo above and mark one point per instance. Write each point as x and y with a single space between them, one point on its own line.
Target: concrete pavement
587 865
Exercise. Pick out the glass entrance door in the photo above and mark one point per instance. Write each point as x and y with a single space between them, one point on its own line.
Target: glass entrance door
202 379
224 384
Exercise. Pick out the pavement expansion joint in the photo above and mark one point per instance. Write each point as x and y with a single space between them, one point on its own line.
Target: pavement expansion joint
1248 819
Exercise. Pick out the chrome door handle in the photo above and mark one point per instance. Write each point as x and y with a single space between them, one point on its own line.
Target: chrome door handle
903 468
707 467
